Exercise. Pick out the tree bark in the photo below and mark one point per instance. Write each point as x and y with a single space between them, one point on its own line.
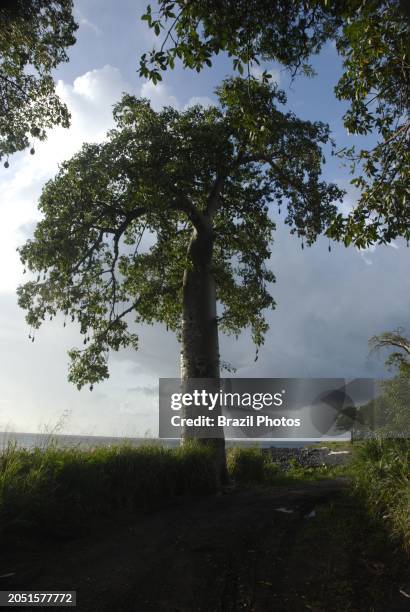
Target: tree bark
200 345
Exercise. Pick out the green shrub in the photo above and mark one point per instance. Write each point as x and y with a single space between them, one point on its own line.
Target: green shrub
246 465
251 466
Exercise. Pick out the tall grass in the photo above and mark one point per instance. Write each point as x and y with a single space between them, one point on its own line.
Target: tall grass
382 470
55 486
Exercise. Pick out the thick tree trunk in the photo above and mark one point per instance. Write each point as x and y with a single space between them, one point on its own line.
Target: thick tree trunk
200 346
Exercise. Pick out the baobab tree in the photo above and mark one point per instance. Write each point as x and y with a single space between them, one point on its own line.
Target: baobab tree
200 183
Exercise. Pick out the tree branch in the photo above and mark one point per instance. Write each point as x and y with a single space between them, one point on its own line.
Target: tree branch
214 197
389 339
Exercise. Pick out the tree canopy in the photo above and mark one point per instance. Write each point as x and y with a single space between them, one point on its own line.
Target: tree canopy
34 35
164 175
249 31
375 46
390 411
372 38
399 344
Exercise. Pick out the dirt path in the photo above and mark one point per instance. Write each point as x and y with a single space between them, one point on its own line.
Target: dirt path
304 547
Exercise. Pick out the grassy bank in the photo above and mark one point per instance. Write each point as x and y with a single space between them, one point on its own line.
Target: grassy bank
57 487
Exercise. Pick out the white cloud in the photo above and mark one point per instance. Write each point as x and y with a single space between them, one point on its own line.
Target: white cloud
204 101
101 86
159 95
83 22
36 393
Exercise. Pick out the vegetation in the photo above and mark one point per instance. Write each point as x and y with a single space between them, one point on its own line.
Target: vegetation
375 46
323 550
388 413
196 187
54 487
251 466
170 217
396 340
372 38
59 488
381 465
343 559
196 31
382 471
34 36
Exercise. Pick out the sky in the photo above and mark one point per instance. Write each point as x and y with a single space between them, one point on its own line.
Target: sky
328 304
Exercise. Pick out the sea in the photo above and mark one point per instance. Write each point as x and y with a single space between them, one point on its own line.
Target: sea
44 440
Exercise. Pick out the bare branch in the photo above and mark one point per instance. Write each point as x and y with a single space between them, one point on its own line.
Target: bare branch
390 339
